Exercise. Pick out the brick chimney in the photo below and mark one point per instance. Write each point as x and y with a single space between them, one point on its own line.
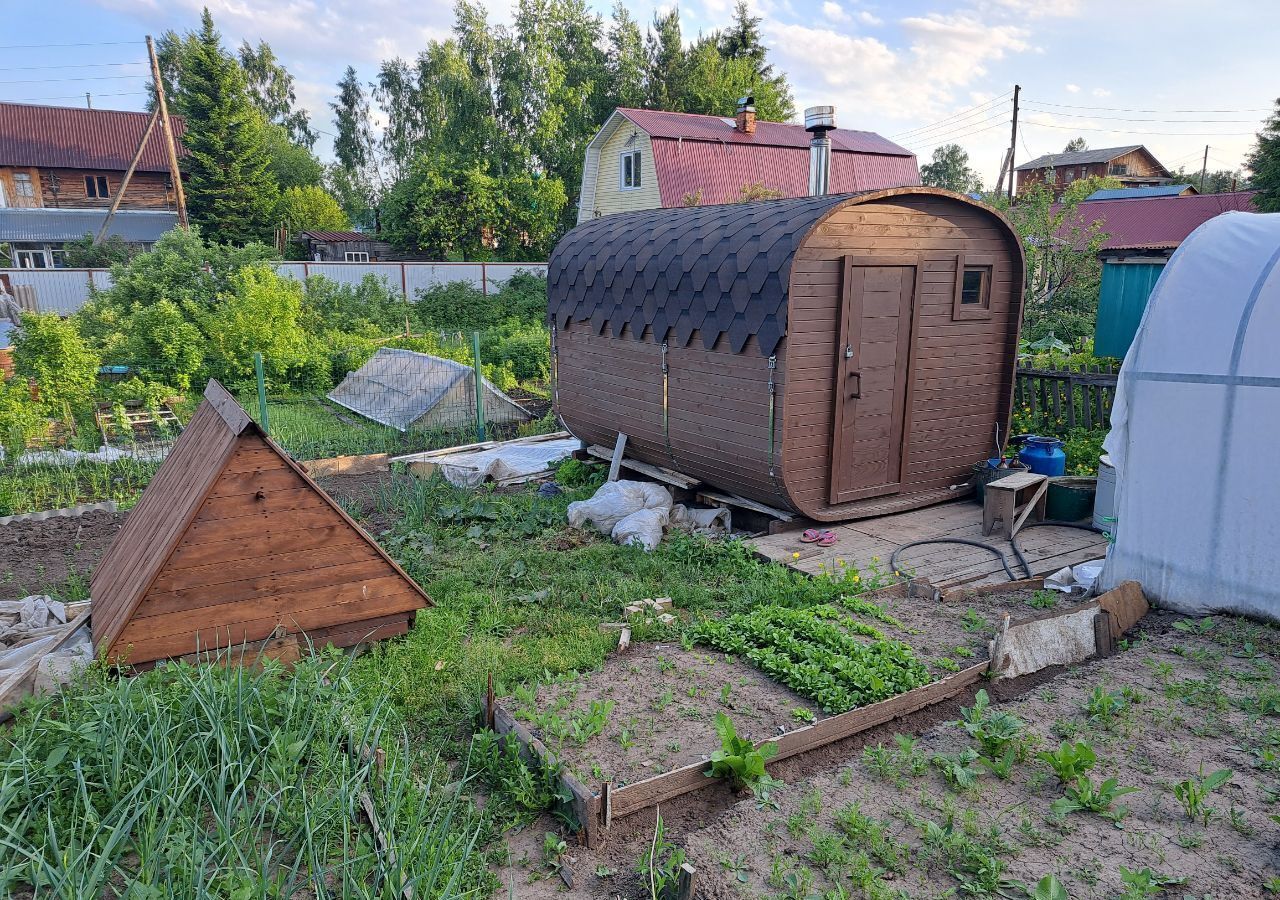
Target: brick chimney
745 120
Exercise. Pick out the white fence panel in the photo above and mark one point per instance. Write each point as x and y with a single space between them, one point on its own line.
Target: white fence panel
65 291
61 291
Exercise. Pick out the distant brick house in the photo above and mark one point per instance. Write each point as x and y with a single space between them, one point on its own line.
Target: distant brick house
650 159
1132 166
60 169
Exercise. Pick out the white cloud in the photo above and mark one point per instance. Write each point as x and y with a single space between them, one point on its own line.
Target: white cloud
835 12
1072 88
1100 92
867 18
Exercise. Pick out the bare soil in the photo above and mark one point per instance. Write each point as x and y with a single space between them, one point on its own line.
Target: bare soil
1196 697
665 701
49 555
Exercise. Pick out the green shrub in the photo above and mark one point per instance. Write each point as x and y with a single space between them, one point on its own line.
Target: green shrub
21 418
51 350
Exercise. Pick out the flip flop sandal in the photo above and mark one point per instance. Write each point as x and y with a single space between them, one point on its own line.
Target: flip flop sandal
812 536
828 538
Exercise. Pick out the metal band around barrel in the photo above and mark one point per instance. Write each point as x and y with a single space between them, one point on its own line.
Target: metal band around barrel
666 421
773 428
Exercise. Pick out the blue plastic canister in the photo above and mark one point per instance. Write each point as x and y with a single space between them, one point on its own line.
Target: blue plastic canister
1043 455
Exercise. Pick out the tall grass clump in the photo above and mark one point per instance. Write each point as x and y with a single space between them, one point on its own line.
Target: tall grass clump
213 781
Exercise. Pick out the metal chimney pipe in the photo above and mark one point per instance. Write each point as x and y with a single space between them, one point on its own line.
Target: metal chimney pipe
818 120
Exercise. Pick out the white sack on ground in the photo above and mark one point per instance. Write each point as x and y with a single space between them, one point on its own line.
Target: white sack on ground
643 527
615 500
29 630
1194 426
471 468
711 520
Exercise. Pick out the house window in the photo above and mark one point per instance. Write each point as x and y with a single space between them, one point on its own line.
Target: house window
1071 175
23 188
30 259
629 171
95 187
974 273
355 256
1119 169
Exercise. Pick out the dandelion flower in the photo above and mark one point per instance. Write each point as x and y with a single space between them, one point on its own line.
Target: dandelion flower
795 555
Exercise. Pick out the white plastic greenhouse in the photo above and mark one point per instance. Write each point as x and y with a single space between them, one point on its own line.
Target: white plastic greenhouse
1196 428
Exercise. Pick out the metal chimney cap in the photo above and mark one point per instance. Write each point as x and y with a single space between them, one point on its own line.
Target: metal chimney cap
747 103
819 118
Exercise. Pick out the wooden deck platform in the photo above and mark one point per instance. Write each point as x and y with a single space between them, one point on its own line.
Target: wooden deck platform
867 542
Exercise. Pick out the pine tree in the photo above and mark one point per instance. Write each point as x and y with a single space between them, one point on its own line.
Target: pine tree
625 61
741 40
1264 163
230 192
665 49
271 89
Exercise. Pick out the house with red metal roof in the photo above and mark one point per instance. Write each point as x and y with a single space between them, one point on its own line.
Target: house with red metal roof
60 170
649 159
1141 235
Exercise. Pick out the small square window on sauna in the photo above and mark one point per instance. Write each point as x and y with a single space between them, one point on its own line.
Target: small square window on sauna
973 287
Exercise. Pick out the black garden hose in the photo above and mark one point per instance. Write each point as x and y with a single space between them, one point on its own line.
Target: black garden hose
1004 561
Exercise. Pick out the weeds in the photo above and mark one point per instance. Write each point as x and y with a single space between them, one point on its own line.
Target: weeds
660 863
1141 883
738 759
1069 761
996 732
1193 793
1085 796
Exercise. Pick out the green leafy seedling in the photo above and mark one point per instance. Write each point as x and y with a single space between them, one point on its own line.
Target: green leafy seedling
1047 888
995 731
1142 883
1103 705
1193 792
960 770
1069 761
1084 796
739 760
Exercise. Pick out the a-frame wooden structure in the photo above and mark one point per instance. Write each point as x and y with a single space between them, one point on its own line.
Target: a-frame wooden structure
232 540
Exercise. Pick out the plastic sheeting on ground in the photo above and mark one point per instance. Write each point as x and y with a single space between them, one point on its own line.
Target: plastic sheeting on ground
403 389
638 512
103 454
506 462
1195 425
37 653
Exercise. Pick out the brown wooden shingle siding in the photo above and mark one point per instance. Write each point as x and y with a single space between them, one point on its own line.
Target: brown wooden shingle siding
65 188
956 364
231 540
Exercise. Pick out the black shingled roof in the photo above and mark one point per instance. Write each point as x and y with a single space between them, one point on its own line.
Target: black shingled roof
719 270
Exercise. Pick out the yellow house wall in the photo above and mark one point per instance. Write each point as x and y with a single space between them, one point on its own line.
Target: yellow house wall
609 199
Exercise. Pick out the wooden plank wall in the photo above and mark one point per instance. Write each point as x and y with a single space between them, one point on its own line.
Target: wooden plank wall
150 530
65 188
961 375
266 549
718 405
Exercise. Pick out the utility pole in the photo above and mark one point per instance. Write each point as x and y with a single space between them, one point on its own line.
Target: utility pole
124 182
166 124
1204 168
88 100
1013 141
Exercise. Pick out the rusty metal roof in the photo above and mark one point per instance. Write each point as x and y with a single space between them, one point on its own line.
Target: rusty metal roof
1153 222
717 173
338 237
692 127
64 137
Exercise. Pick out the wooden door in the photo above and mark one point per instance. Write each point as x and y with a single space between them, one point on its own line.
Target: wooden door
872 376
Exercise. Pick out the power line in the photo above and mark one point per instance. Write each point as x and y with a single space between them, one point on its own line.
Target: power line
1127 109
76 97
81 78
88 44
929 143
71 66
1140 133
1126 119
953 118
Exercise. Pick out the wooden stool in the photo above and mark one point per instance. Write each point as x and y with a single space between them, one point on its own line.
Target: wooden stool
1003 497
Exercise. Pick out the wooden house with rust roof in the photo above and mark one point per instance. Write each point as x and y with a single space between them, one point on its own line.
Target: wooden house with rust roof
233 543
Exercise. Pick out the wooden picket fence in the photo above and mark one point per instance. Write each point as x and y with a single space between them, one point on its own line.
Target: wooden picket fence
1059 399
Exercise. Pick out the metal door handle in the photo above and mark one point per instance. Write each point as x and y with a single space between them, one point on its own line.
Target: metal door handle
855 390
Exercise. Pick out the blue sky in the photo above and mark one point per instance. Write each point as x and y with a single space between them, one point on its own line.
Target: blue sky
1172 75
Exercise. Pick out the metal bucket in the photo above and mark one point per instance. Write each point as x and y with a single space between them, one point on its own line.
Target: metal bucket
1070 498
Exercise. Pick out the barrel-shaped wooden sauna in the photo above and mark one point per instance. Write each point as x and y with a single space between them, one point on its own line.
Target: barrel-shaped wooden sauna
838 356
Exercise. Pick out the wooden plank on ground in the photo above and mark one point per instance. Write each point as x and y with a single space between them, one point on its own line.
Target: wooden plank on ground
716 498
657 473
1126 604
348 465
